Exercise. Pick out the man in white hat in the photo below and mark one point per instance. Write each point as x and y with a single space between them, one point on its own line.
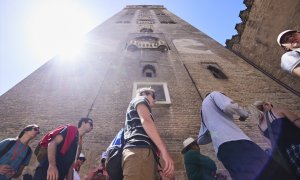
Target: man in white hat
76 168
197 165
290 41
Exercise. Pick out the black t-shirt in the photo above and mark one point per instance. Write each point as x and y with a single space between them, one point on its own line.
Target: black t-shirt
64 162
134 133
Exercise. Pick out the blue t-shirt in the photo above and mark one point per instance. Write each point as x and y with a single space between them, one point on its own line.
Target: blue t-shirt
20 159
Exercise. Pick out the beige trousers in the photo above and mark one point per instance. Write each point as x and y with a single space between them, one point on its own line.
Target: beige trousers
139 164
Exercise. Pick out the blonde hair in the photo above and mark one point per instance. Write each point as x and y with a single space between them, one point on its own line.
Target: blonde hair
259 103
145 90
256 110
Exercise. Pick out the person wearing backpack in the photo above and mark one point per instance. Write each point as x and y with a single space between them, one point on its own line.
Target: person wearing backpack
142 140
15 153
242 157
281 127
61 151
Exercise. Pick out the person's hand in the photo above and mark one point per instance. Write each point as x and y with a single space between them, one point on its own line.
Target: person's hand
164 177
220 176
52 173
6 170
169 164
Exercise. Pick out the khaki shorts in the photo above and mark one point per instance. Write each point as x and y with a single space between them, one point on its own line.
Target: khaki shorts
139 163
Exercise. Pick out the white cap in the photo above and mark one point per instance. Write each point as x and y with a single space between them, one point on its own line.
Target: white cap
283 33
81 155
187 142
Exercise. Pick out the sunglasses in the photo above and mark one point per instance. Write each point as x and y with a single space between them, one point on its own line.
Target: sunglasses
153 96
32 128
36 129
91 123
81 159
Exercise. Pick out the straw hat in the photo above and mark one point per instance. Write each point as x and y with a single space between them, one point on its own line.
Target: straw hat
187 142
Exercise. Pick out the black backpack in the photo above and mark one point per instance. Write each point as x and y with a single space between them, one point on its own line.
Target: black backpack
113 162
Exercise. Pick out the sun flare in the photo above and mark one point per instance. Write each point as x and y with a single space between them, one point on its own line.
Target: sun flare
58 28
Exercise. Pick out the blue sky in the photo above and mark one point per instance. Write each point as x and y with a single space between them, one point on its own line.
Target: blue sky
33 31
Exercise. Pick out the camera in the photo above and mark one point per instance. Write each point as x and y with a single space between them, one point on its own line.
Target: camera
99 171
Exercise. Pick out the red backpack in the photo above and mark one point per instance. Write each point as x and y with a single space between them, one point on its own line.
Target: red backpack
41 149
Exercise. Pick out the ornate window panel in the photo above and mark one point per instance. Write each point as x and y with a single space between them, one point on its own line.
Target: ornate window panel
147 42
146 28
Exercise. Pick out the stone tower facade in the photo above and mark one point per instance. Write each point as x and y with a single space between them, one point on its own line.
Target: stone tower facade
143 45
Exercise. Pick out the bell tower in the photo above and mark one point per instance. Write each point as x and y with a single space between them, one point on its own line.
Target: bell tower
142 45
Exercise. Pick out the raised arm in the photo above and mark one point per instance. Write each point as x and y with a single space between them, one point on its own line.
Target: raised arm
228 106
152 132
290 115
296 71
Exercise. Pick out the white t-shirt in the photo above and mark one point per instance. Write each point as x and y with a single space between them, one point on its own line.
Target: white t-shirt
217 114
290 60
76 175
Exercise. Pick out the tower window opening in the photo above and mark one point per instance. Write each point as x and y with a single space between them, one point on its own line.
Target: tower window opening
149 74
217 73
149 71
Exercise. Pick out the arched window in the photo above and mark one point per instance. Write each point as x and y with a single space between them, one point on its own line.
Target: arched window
149 71
216 72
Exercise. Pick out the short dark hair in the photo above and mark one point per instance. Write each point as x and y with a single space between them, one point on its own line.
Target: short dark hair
85 119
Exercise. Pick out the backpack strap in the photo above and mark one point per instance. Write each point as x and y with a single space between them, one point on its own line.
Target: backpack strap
70 136
7 147
270 130
156 154
277 155
202 118
272 115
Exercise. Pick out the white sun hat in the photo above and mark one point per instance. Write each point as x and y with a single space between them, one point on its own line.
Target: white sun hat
81 155
187 142
282 34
